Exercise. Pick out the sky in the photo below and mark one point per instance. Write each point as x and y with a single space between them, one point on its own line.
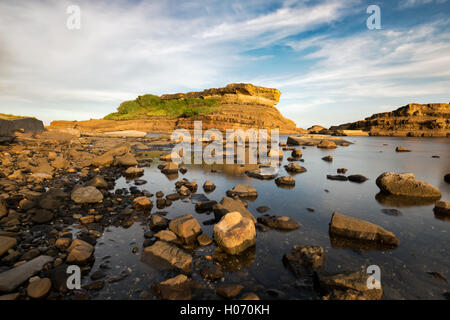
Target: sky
329 66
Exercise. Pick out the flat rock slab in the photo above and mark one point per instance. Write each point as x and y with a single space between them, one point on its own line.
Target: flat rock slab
11 279
170 254
358 229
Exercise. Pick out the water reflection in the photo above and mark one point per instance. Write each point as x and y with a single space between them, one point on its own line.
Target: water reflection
390 200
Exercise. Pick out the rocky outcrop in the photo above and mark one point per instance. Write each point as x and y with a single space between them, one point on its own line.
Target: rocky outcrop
240 106
9 126
415 120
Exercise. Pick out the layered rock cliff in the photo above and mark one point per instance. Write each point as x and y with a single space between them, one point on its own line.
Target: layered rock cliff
238 106
414 120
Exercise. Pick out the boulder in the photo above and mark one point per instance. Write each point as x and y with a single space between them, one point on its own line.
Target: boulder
177 288
327 158
127 160
235 233
404 184
42 216
227 205
243 191
104 160
348 286
166 235
97 182
186 227
304 260
170 254
142 204
285 181
79 252
86 195
39 288
280 223
133 171
358 229
359 178
158 223
294 168
6 243
327 144
440 208
208 186
265 173
11 279
170 168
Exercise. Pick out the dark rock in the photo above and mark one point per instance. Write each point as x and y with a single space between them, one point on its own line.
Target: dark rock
359 178
328 158
337 177
281 223
392 212
212 272
229 290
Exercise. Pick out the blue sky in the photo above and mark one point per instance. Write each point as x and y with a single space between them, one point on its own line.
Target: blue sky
329 67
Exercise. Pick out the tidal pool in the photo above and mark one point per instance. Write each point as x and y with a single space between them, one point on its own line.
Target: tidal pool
423 237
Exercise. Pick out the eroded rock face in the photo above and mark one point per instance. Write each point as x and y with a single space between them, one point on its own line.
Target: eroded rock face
360 230
235 233
405 184
416 120
241 105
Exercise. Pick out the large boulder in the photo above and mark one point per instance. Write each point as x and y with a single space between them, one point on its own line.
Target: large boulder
227 205
235 233
186 227
358 229
170 254
79 252
86 195
404 184
9 126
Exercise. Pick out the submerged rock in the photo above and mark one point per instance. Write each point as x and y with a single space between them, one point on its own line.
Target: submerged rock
404 184
235 233
171 254
348 286
280 223
358 229
303 260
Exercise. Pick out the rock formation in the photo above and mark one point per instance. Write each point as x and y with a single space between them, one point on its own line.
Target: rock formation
415 120
9 125
239 106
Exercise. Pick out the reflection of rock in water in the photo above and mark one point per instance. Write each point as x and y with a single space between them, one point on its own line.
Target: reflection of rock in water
345 243
402 201
172 176
233 263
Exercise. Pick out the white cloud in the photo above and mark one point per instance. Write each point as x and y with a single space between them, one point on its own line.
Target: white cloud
415 3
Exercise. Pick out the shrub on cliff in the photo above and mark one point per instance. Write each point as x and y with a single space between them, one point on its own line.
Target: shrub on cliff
150 105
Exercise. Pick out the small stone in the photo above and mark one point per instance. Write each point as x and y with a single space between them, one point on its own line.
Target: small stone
86 195
142 204
328 158
401 149
359 178
204 240
39 288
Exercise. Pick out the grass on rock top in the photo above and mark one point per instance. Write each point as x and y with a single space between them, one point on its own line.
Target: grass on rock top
11 116
150 105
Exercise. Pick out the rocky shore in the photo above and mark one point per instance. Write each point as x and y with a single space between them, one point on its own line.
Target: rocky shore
57 198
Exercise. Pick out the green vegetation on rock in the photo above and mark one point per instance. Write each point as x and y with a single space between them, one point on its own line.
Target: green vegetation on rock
150 105
11 116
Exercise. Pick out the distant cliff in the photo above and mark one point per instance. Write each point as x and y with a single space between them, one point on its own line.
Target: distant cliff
234 106
414 120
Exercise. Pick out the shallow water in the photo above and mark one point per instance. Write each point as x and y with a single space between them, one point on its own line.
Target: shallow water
423 237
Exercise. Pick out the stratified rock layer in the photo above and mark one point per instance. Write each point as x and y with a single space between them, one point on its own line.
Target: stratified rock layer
241 106
415 120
